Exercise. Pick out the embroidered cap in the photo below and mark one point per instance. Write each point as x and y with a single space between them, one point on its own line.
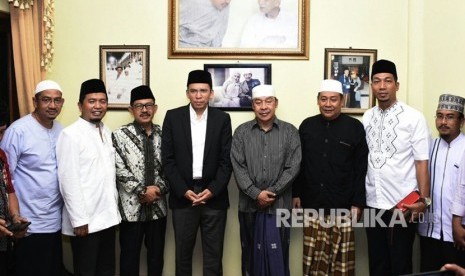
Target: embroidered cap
264 90
330 86
451 102
47 85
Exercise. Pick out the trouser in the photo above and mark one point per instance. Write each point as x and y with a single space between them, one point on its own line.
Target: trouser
390 247
212 223
131 235
39 254
435 253
94 254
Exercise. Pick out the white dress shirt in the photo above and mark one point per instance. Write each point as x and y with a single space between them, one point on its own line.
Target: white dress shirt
444 170
86 170
198 132
396 137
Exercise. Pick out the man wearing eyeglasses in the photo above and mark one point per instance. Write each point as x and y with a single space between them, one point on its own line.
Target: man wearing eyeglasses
196 143
436 235
30 146
141 186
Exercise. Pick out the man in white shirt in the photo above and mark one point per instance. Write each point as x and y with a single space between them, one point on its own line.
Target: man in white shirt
202 23
196 142
398 141
271 27
86 170
436 239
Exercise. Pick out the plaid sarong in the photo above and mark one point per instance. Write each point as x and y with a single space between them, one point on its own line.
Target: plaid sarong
328 250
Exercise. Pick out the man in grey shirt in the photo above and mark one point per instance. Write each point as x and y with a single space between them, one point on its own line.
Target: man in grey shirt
266 157
202 23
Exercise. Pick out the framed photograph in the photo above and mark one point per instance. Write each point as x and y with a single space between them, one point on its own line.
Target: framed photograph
233 84
352 67
239 29
123 67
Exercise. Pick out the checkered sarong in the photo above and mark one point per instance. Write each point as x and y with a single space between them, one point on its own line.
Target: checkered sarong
328 250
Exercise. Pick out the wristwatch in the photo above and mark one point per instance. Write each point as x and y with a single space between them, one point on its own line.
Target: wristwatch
426 200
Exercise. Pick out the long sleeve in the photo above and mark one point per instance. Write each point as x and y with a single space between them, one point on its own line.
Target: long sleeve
291 166
172 173
124 177
239 163
223 173
69 168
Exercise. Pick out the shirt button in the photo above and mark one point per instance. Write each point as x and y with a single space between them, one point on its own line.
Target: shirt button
326 141
321 184
324 155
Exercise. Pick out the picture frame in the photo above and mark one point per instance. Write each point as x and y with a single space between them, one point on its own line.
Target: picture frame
233 92
191 36
122 68
357 63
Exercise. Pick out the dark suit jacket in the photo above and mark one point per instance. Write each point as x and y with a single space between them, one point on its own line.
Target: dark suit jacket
177 156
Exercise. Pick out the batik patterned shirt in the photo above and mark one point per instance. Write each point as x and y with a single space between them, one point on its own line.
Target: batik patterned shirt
138 165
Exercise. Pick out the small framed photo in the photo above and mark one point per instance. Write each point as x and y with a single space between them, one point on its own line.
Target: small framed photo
123 67
233 84
239 29
352 67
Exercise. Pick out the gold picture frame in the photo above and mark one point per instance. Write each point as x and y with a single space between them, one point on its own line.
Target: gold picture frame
122 68
191 35
352 67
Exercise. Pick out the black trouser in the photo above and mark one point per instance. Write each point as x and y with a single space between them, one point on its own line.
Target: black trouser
435 253
39 254
131 235
94 254
212 223
390 248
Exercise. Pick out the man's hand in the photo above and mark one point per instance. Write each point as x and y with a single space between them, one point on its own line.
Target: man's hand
191 196
415 209
458 232
81 231
296 203
355 212
265 199
202 197
152 194
459 271
3 230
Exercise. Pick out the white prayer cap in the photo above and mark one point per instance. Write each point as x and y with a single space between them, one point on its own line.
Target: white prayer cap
331 86
264 90
46 85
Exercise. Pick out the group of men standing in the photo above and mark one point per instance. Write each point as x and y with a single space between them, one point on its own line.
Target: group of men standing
83 181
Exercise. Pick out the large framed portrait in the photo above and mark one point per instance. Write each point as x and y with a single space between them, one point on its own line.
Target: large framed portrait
238 29
122 68
352 67
233 84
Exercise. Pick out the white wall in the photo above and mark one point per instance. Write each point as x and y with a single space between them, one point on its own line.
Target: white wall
424 39
4 6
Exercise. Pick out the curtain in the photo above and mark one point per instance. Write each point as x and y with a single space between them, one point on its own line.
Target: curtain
32 33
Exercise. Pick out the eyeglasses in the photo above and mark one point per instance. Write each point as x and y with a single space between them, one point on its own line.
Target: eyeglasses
48 100
148 106
447 118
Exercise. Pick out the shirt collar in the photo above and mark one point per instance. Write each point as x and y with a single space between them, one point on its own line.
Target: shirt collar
276 123
193 114
140 129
